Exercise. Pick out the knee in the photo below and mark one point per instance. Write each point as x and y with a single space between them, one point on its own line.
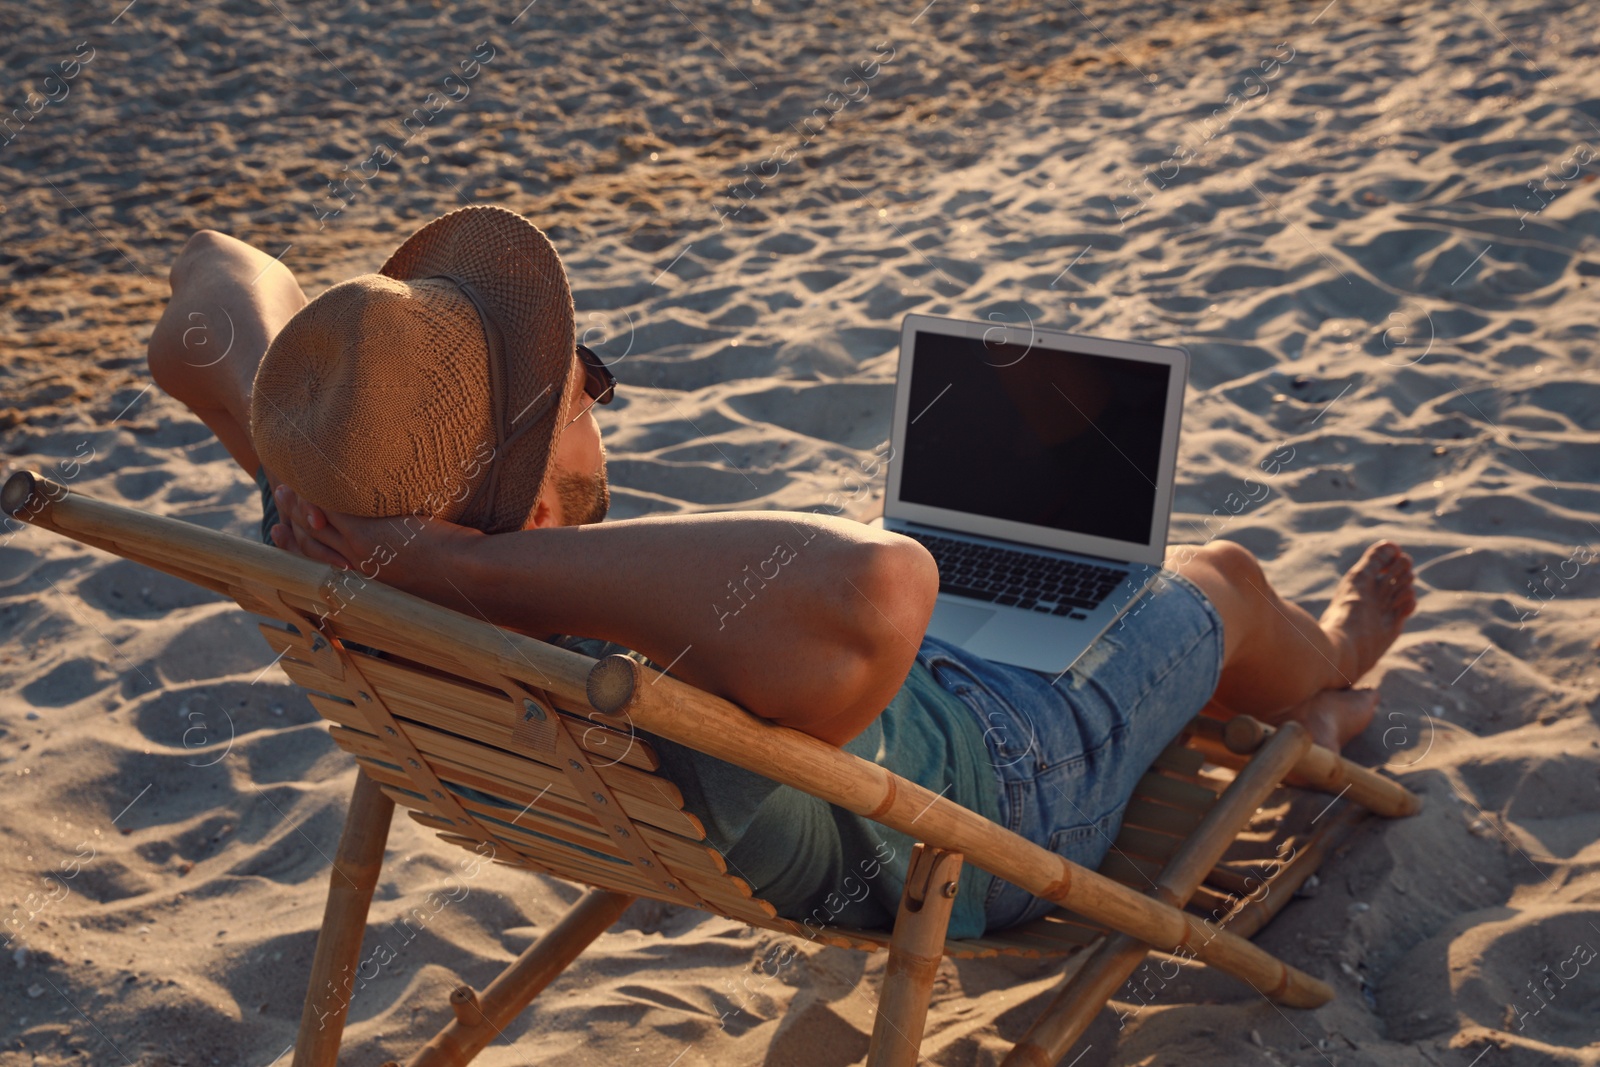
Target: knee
181 327
227 297
201 246
1235 563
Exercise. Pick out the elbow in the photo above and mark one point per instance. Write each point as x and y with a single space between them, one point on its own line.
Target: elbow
893 583
898 583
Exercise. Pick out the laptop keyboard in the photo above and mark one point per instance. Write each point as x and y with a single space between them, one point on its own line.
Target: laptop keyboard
1021 579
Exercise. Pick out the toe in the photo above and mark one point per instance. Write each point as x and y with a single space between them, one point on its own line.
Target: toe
1379 559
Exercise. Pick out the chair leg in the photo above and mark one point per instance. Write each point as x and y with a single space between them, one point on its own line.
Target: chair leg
914 954
1231 744
344 923
480 1019
1117 956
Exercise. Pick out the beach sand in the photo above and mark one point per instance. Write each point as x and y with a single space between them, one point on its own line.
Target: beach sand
1380 250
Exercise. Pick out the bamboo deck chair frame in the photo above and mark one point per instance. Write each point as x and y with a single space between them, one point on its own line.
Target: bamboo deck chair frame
461 722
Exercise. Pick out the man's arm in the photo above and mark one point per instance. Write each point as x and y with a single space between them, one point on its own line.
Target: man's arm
808 620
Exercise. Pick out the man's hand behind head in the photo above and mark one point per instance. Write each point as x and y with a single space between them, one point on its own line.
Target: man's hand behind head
410 552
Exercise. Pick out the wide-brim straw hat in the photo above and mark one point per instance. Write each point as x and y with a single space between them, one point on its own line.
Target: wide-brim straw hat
433 387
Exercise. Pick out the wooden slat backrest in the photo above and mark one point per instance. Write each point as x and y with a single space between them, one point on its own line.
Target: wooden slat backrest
464 729
467 731
544 807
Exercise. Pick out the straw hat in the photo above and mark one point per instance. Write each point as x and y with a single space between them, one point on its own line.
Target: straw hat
433 387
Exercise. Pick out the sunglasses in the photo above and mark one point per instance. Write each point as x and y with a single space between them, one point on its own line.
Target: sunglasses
599 384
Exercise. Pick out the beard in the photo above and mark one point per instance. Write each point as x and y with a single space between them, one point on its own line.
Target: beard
585 498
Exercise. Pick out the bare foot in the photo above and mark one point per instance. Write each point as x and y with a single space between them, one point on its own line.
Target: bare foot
1369 607
1333 716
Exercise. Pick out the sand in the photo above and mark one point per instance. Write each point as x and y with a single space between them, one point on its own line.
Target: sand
1379 250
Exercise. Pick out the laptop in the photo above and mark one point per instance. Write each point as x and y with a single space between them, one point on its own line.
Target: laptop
1037 466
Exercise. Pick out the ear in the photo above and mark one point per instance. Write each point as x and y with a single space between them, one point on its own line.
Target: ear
543 515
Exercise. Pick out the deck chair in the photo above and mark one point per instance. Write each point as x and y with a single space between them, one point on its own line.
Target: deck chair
531 755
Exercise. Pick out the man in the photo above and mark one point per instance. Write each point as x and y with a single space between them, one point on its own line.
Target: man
449 385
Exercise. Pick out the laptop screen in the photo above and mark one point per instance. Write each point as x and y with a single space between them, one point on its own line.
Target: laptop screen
1050 438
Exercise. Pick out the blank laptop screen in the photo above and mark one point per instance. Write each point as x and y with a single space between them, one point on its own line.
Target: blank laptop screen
1049 438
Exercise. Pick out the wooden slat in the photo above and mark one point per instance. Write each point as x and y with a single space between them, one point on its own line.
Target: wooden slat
1000 944
652 795
453 692
1180 759
570 818
449 705
292 644
650 789
542 823
278 635
288 642
252 603
1148 843
309 675
568 865
1141 812
642 797
1175 791
473 844
1207 901
1130 870
348 626
726 893
747 909
553 820
305 602
710 885
405 798
1232 880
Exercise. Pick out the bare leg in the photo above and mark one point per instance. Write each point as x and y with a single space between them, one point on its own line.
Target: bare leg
228 301
1278 660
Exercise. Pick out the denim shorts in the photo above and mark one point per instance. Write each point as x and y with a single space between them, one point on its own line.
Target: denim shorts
1068 754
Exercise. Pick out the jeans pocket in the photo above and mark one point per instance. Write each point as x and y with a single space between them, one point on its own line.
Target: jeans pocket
1008 736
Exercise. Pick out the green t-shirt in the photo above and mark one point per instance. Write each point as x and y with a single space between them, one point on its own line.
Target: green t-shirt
822 865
